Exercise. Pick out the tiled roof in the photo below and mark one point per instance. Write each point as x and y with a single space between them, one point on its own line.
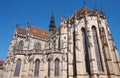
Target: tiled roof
80 13
21 31
37 32
88 10
1 62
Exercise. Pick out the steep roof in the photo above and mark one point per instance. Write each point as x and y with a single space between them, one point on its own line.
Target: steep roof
1 62
38 32
21 31
80 13
84 9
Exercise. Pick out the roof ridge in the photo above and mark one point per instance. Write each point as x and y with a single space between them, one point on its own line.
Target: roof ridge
39 28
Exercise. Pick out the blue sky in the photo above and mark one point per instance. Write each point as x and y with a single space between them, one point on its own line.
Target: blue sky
38 13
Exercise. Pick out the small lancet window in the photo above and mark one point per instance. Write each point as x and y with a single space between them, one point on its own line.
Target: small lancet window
37 66
57 67
54 45
59 43
48 67
103 39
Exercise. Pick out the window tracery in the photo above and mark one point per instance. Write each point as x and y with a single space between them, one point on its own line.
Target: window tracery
37 66
97 49
57 67
86 54
18 67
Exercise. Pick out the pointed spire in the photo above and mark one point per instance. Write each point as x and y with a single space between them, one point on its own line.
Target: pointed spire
84 4
69 17
102 11
75 11
52 16
95 8
52 23
28 24
17 25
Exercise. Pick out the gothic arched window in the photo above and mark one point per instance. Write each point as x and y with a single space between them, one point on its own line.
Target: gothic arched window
37 47
17 68
20 45
57 67
59 43
37 66
48 67
97 49
74 54
54 45
86 54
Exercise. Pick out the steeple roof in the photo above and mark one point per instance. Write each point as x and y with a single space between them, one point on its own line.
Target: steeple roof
52 23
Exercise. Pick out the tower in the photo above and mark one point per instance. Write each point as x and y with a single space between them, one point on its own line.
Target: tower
52 26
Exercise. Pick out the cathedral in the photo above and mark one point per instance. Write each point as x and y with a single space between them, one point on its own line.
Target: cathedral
80 47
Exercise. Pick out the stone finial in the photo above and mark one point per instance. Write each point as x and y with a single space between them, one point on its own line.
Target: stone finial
95 8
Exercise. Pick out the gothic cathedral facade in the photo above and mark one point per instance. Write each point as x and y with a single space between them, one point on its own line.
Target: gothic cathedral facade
81 47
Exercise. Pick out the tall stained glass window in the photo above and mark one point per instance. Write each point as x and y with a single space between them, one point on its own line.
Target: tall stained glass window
86 54
17 68
97 49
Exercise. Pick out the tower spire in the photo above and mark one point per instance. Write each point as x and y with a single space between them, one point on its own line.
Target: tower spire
52 16
52 23
28 24
95 8
102 11
84 5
